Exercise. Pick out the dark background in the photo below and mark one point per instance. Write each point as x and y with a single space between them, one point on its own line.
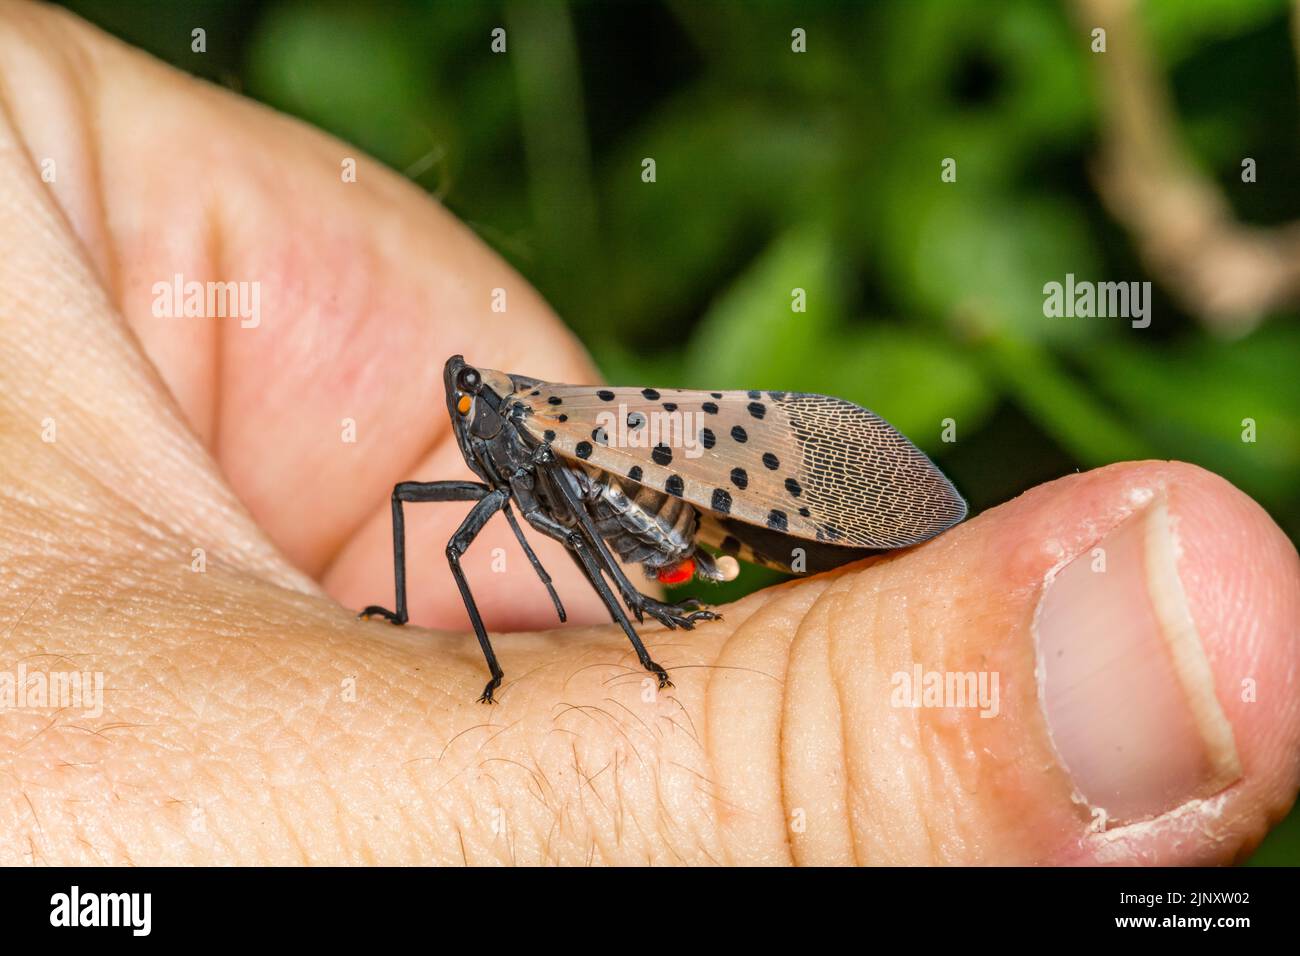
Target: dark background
820 171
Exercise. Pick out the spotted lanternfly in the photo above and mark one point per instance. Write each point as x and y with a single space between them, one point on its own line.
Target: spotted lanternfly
789 480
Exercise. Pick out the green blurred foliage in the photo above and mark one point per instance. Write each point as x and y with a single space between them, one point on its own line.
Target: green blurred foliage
820 171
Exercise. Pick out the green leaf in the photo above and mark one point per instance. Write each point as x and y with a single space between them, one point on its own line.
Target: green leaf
1062 406
726 170
965 256
751 337
914 380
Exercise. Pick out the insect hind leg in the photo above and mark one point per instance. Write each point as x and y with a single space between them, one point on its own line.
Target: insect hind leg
588 561
683 614
599 556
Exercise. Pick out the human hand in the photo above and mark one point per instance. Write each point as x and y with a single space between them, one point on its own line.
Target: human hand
248 717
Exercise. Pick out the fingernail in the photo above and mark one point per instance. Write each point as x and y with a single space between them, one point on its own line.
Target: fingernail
1123 679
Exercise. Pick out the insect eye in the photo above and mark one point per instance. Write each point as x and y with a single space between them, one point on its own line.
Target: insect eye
463 404
467 380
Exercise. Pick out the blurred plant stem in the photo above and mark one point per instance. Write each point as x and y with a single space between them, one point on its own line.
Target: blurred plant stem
1227 273
1062 407
544 52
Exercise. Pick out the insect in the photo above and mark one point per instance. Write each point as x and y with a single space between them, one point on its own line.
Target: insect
789 480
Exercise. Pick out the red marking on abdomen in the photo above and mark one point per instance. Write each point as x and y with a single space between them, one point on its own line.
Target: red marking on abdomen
677 573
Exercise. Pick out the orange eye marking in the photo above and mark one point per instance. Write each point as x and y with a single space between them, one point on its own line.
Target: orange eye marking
463 404
682 571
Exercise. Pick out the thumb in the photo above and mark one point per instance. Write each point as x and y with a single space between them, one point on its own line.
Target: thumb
1102 670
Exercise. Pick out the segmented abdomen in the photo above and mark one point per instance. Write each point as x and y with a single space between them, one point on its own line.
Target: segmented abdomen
639 524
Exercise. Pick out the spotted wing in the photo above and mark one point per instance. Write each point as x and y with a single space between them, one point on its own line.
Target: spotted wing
803 465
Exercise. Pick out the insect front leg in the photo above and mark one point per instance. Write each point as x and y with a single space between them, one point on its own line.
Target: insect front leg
417 491
478 516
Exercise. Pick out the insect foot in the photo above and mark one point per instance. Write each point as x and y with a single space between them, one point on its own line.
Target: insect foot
486 697
682 615
375 610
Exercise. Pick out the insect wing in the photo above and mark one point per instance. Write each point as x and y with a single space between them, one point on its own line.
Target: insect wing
798 464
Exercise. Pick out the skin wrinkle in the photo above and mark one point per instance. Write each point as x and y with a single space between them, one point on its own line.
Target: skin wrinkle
852 678
216 255
774 609
104 252
939 834
804 691
930 739
833 596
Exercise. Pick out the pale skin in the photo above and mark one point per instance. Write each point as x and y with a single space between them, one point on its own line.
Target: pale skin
250 718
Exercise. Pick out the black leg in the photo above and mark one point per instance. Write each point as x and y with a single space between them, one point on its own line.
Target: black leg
537 565
417 491
582 552
683 615
581 549
671 615
460 541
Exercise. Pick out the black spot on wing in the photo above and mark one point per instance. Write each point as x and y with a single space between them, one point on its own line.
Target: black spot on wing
555 400
710 408
661 454
583 450
650 394
777 520
770 461
670 406
721 501
757 409
708 438
600 435
740 478
605 395
674 485
739 434
549 435
634 473
793 487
